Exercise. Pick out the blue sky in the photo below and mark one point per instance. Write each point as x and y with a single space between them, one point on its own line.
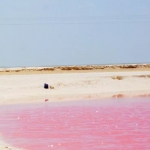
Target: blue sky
69 32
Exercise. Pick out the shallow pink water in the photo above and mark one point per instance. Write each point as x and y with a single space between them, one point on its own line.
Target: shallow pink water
122 124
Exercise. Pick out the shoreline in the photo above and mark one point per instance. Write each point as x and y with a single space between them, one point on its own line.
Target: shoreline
16 89
6 146
25 85
106 96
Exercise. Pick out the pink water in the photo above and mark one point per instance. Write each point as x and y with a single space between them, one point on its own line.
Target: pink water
122 124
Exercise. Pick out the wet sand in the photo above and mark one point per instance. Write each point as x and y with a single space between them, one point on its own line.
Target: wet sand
25 85
4 146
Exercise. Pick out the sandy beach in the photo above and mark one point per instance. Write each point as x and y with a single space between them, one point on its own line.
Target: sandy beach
25 85
20 85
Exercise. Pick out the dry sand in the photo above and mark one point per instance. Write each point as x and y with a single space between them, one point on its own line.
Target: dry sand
25 85
75 69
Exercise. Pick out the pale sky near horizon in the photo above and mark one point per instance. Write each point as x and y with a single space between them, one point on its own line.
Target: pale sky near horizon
74 32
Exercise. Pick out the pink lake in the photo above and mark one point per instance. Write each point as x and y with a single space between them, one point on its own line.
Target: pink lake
115 124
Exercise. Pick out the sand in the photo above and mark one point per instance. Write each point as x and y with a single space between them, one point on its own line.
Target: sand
75 69
25 85
4 146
